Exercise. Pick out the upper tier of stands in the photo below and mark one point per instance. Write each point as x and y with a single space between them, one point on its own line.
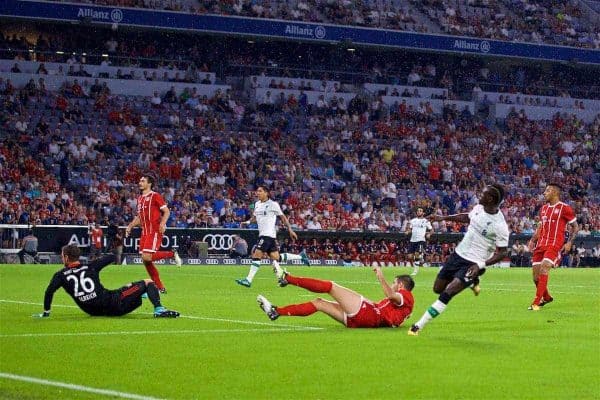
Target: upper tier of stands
570 23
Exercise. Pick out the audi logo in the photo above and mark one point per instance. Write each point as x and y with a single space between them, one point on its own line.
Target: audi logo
212 261
218 241
228 261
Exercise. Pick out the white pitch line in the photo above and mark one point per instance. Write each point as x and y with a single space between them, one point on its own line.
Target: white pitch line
235 321
166 332
78 388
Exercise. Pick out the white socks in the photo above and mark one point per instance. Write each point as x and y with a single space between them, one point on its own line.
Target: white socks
436 309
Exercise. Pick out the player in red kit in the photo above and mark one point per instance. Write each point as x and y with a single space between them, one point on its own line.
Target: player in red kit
152 216
548 241
349 308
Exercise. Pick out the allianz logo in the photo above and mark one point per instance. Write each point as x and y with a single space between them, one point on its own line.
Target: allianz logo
317 32
115 15
483 46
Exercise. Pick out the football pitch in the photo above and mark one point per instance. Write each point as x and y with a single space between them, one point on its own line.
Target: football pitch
224 347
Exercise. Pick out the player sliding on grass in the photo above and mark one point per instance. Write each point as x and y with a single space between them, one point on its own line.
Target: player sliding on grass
487 232
82 283
349 308
265 214
547 242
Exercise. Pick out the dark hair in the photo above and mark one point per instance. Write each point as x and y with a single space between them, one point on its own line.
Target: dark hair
556 185
499 192
71 251
150 179
263 187
407 281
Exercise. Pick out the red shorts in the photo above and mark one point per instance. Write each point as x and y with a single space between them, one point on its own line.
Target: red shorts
551 254
150 243
368 316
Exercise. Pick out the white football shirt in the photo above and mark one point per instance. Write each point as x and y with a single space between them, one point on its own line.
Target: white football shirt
484 234
266 214
419 227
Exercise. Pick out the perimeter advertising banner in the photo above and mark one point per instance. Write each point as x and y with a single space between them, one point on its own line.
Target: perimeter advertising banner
290 30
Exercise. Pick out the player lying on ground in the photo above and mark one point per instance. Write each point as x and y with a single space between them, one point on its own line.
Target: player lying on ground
265 214
82 283
486 233
349 308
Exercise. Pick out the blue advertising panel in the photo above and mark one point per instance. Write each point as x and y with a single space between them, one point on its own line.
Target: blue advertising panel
291 30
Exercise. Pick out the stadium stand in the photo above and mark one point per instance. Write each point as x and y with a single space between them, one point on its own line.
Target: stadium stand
569 23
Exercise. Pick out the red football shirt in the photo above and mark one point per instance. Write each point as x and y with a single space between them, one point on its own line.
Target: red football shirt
554 221
393 314
148 208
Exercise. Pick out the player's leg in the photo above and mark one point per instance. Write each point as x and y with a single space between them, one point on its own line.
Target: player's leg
415 261
148 246
333 309
541 294
275 257
452 279
285 257
543 259
154 297
257 256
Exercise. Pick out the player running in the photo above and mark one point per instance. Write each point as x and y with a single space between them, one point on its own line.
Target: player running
152 216
265 214
419 232
487 233
82 283
547 242
349 308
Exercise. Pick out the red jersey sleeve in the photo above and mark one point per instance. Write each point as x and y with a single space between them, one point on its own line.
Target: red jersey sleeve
569 215
159 200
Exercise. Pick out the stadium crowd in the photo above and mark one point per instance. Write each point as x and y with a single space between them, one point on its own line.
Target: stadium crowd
179 58
357 166
538 21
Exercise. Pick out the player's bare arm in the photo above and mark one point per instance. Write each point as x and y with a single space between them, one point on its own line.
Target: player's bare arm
163 220
534 238
286 222
462 218
132 224
501 253
250 221
387 289
574 230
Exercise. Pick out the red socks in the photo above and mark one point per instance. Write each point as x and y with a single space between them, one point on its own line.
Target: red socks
314 285
542 289
153 272
298 310
159 255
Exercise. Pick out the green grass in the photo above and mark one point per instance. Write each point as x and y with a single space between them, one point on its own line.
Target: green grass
489 347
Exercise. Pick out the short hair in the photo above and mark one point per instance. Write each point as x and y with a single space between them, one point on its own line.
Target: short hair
263 187
556 185
71 251
499 192
407 281
150 178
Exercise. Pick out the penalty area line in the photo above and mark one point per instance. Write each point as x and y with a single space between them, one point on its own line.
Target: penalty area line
78 388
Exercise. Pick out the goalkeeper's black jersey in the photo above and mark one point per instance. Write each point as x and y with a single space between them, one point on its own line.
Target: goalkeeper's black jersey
82 283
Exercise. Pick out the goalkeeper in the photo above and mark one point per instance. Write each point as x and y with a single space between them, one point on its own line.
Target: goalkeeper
82 283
